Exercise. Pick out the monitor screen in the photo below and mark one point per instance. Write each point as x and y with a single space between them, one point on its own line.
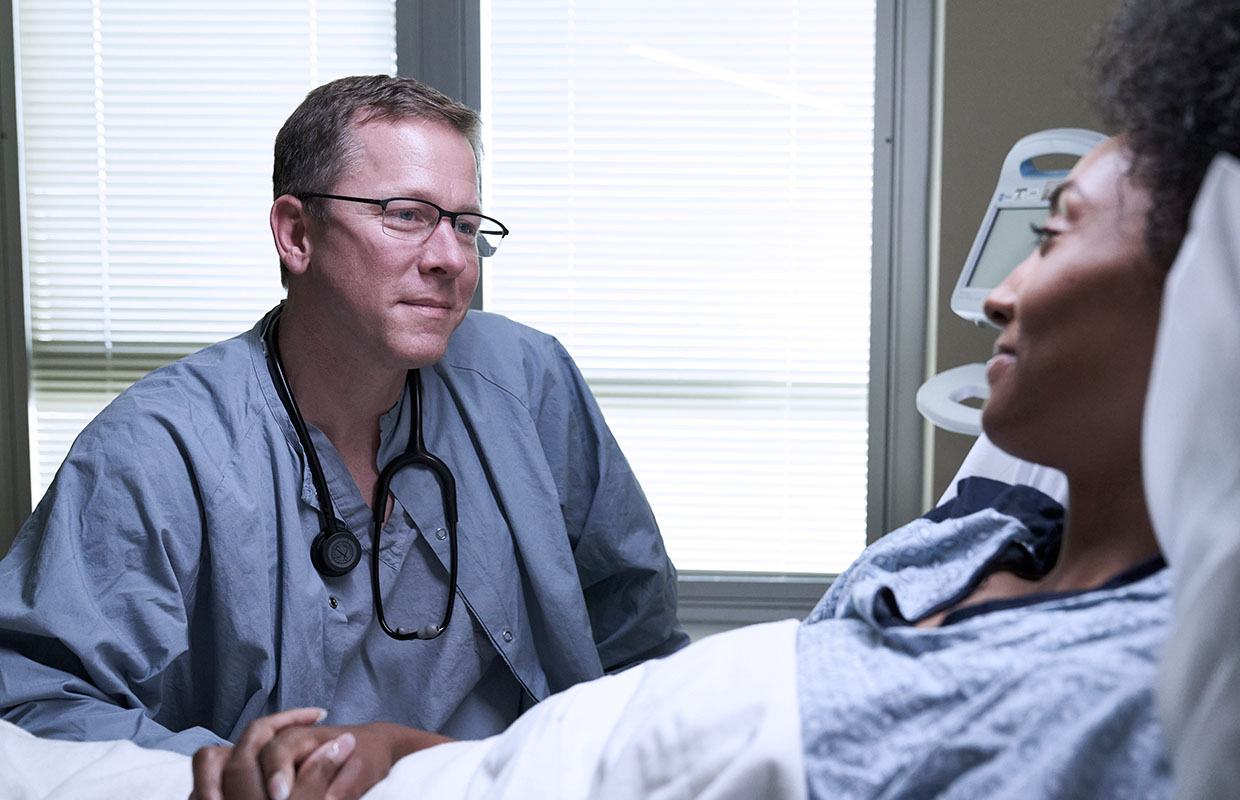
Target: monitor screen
1010 241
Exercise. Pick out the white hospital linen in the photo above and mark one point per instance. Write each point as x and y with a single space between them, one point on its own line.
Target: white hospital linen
716 720
1191 461
34 768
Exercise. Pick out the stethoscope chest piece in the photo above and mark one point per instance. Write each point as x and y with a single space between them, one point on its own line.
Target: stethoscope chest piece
335 552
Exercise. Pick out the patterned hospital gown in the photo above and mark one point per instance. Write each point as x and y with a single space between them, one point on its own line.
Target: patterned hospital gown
1042 696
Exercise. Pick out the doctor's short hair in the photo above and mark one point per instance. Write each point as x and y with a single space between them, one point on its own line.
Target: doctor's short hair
315 145
1167 76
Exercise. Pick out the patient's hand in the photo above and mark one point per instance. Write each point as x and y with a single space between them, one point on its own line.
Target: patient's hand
285 756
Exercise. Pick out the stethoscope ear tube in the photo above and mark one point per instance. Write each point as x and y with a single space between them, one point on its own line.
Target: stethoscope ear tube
415 454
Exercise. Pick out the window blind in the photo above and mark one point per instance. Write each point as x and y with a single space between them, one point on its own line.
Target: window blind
689 186
147 131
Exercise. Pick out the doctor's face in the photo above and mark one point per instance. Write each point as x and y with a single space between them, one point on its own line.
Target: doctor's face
395 300
1078 320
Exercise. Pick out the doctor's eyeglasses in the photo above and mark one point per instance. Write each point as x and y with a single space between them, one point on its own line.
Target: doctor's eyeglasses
414 220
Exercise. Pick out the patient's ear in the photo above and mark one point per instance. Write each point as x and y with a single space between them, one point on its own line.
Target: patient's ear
288 227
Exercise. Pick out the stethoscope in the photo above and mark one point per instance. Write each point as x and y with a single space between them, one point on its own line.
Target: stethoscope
336 551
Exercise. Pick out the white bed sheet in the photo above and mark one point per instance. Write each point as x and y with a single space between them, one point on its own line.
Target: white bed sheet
47 769
717 720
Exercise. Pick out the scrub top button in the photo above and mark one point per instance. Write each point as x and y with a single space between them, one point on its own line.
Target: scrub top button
441 534
334 602
507 636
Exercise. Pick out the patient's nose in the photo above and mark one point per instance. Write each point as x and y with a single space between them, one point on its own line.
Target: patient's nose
1000 305
997 313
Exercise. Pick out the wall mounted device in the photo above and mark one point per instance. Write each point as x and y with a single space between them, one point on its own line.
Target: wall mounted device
1020 201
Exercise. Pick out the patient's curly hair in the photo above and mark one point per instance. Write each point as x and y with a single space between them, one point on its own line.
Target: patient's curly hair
1167 75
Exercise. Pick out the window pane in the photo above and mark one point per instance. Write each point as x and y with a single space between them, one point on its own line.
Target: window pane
147 131
689 190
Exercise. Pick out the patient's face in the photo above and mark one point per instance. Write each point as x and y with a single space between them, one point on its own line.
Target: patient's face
1079 315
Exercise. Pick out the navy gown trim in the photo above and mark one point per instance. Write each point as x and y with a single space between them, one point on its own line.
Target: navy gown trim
1131 575
1039 512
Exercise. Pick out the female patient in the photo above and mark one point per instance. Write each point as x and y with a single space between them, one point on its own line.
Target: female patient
993 648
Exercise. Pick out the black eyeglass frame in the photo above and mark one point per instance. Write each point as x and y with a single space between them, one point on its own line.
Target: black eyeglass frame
443 212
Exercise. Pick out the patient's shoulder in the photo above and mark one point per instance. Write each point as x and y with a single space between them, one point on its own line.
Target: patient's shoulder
1036 509
940 552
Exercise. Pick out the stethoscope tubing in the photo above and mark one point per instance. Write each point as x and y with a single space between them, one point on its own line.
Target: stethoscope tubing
415 454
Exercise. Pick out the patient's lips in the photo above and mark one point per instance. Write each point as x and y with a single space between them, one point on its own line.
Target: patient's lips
1002 359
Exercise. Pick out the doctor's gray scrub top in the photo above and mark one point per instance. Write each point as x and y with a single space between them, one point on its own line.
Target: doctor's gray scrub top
163 591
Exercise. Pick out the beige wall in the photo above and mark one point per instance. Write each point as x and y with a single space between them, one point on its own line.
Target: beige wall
1009 69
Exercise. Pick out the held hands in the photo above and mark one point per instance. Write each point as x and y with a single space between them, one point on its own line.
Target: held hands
286 756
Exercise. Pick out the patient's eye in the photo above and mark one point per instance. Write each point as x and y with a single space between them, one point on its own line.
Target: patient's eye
1044 236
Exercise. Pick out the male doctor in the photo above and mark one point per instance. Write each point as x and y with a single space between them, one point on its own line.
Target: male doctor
203 556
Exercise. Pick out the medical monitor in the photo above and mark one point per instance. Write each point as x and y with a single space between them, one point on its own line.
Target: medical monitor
1021 201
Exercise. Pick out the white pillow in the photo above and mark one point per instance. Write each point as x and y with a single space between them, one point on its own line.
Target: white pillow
986 460
1191 462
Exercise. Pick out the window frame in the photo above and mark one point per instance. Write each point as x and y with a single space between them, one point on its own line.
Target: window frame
439 42
14 307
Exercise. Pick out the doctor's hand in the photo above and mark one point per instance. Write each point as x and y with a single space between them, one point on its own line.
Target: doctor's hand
286 757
